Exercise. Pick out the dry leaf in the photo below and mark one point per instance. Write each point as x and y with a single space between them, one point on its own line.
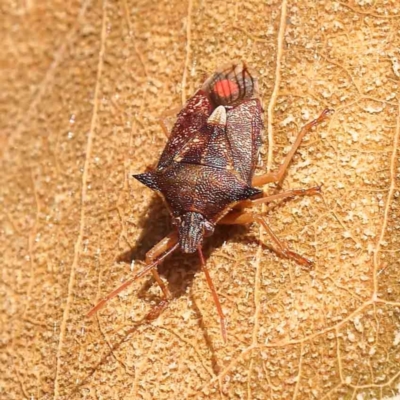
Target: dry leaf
82 86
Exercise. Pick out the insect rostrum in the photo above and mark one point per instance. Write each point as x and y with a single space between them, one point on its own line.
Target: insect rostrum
206 172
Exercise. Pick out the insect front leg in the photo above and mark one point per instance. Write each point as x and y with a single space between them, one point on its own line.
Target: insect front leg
154 253
151 256
280 174
154 257
281 248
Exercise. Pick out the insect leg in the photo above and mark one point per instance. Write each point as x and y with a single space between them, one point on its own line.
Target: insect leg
279 175
215 296
244 218
155 252
282 248
289 194
152 255
159 252
164 116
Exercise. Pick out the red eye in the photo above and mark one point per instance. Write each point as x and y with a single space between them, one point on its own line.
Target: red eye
226 88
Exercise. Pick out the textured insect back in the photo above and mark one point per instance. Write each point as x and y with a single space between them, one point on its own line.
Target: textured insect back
231 85
218 117
191 119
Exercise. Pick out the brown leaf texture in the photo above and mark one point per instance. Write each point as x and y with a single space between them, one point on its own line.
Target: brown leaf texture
82 87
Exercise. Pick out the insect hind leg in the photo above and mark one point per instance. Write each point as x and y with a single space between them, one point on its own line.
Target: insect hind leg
280 173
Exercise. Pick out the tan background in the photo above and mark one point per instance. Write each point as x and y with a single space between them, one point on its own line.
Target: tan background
81 87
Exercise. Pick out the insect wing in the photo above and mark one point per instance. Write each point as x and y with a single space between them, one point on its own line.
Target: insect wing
218 154
243 130
231 85
230 140
189 122
208 147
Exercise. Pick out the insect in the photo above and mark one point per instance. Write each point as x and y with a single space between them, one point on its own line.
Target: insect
206 174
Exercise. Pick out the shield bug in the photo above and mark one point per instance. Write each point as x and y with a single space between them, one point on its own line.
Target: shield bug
206 173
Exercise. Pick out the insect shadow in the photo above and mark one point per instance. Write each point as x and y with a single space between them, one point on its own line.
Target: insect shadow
179 269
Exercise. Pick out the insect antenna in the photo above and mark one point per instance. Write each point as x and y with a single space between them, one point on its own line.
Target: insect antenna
119 289
214 294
